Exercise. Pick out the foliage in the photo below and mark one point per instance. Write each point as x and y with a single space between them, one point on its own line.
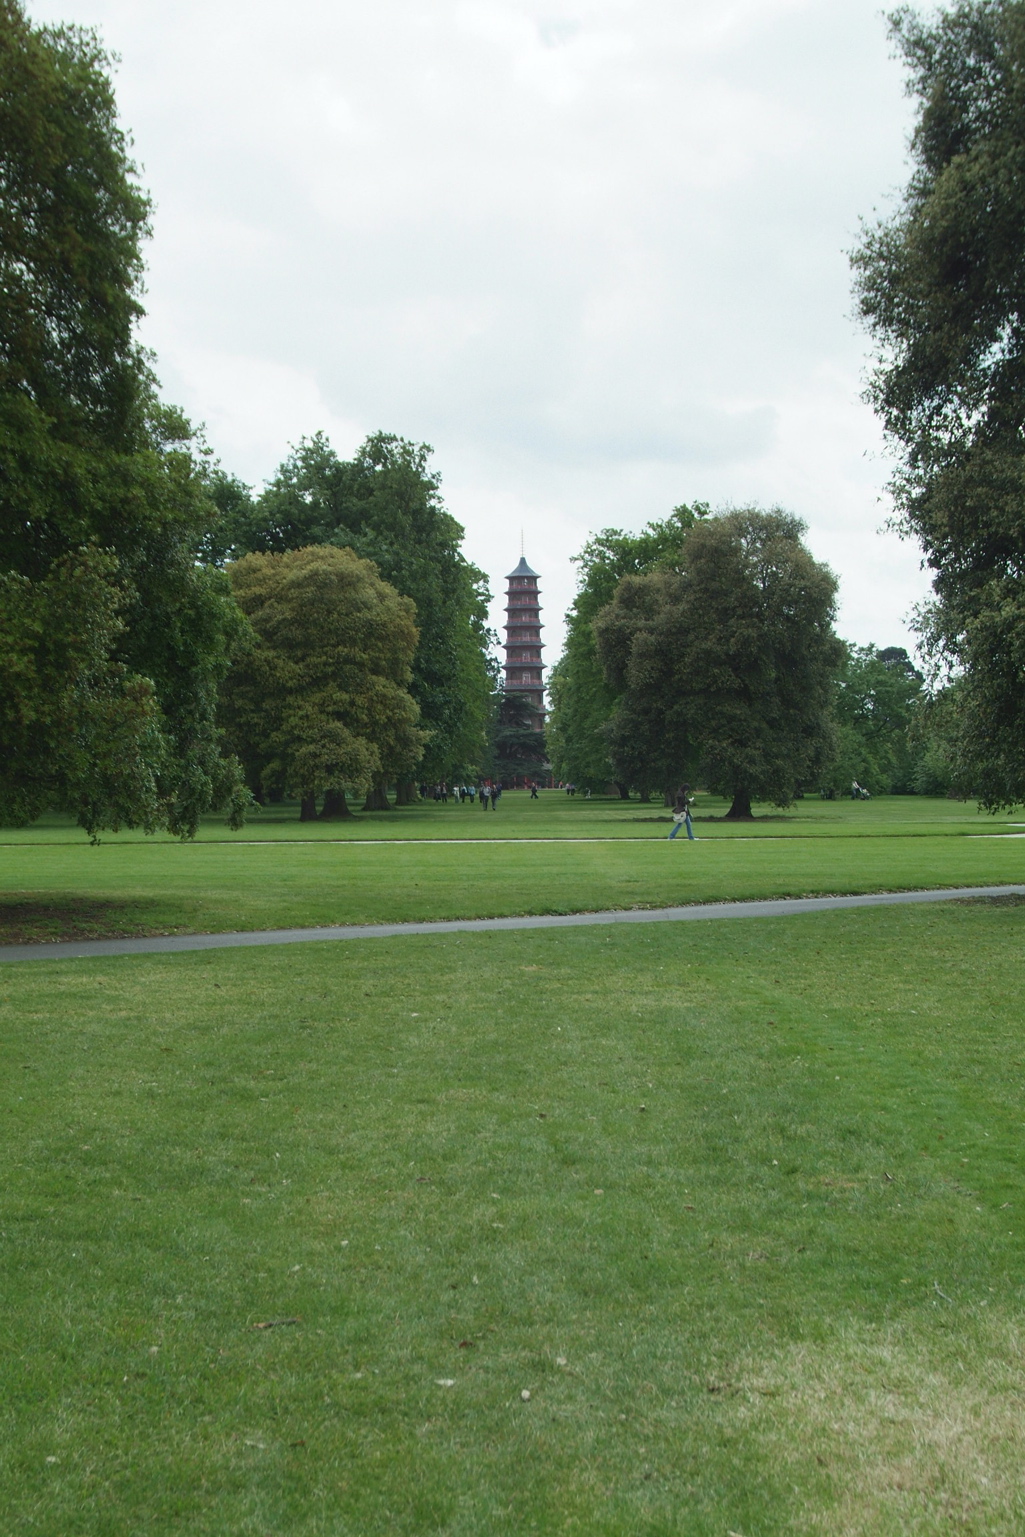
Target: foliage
941 286
582 701
385 504
877 696
320 702
114 639
726 665
518 745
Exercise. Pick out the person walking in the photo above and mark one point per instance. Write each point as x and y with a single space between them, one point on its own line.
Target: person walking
485 793
681 812
533 790
496 790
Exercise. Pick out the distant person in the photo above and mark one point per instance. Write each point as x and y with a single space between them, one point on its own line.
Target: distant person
471 791
533 790
587 793
681 812
485 795
496 793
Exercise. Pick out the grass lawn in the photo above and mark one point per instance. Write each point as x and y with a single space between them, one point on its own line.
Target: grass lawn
738 1205
556 815
64 888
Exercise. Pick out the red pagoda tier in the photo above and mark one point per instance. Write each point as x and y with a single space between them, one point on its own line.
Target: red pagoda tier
523 668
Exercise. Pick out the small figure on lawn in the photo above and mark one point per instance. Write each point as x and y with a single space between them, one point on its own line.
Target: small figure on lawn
681 812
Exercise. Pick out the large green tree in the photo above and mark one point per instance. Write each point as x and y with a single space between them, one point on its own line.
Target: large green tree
320 703
113 639
518 747
941 285
386 504
582 699
878 694
726 666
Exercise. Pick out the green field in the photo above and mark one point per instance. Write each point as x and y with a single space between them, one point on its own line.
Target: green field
603 854
739 1205
556 815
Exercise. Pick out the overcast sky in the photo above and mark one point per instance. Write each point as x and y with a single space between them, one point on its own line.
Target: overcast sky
592 250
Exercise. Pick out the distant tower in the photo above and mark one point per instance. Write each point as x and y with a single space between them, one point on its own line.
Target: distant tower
523 669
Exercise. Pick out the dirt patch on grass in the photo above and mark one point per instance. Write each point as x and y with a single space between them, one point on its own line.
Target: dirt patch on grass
26 920
896 1431
1009 899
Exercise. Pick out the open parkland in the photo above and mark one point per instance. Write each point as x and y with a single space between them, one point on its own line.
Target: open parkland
632 1229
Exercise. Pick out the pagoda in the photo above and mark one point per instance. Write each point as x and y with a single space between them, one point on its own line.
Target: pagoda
523 667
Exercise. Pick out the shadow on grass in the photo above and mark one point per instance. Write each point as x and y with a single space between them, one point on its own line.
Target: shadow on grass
37 919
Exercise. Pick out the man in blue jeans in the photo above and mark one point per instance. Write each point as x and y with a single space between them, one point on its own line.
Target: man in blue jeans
681 812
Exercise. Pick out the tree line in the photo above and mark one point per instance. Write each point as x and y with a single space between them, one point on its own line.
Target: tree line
172 642
169 642
651 684
703 648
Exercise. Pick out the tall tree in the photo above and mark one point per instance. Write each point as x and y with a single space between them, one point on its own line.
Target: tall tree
941 286
386 504
582 700
518 749
320 703
726 665
113 638
876 704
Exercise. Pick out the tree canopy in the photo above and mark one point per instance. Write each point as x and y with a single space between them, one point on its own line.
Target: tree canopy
941 286
582 700
385 503
878 694
113 640
725 666
320 704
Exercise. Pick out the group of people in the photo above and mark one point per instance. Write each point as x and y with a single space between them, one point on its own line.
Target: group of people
488 790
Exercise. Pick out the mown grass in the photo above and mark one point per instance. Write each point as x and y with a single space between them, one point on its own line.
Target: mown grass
556 815
167 887
738 1204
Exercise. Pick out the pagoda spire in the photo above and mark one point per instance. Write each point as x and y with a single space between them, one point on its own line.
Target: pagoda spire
524 670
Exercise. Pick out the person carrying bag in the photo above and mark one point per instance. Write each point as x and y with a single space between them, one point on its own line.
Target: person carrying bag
681 812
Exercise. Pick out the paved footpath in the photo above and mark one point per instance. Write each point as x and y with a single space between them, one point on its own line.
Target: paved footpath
781 907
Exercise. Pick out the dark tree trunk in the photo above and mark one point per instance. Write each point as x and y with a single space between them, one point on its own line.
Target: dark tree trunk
740 811
335 805
624 791
405 793
308 808
377 799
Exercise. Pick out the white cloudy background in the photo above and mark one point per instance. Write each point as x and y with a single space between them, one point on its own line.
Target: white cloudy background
592 250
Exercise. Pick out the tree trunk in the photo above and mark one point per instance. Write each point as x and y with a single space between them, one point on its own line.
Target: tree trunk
740 811
624 791
405 793
377 799
308 808
335 805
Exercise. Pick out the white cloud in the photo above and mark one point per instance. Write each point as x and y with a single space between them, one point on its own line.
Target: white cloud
593 251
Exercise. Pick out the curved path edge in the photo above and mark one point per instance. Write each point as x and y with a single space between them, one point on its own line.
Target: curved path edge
771 907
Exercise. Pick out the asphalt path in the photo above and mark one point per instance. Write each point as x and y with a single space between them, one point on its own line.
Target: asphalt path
779 907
